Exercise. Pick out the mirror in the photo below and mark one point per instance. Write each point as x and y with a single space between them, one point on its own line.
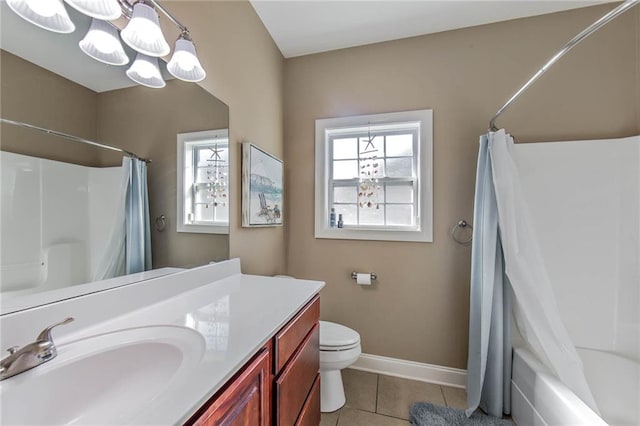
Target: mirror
49 82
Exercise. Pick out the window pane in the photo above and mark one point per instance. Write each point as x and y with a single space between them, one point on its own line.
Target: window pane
399 194
204 213
399 167
372 216
222 212
349 214
374 148
345 194
203 195
400 145
400 215
345 169
202 174
345 148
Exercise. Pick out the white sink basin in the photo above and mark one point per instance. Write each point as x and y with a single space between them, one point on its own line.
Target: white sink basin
103 379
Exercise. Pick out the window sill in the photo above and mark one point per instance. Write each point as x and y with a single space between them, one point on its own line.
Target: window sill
374 235
203 229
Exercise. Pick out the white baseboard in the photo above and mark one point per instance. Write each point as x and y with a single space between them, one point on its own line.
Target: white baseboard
429 373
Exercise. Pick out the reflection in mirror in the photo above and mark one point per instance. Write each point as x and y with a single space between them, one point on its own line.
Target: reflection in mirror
61 198
203 182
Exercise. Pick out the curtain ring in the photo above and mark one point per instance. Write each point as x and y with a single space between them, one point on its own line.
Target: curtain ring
461 225
161 223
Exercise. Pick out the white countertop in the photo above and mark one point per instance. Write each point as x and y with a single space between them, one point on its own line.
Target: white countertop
233 314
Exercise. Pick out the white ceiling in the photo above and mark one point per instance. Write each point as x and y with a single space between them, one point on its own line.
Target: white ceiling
301 27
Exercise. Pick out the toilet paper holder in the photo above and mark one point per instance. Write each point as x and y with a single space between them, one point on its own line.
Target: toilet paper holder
374 276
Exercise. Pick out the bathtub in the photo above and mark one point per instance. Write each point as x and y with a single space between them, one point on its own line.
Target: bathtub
539 398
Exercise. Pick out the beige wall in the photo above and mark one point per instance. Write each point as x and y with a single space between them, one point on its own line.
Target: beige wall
244 70
418 309
146 121
32 94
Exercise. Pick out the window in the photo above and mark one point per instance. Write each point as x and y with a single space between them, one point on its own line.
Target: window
203 182
375 171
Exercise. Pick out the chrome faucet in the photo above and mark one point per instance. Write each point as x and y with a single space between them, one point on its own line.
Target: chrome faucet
31 355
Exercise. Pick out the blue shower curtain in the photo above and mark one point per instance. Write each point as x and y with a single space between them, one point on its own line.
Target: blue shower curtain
137 228
489 362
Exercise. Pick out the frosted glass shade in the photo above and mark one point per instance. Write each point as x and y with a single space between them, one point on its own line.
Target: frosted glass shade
99 9
48 14
184 63
143 32
145 71
102 43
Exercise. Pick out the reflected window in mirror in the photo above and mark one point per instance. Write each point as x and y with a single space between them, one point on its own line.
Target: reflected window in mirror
203 182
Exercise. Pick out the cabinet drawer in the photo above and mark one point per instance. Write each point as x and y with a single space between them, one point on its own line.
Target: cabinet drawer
293 385
310 415
289 338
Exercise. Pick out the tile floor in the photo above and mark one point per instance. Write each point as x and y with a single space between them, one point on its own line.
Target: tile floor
377 400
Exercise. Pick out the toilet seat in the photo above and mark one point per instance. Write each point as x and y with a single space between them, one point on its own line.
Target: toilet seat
337 337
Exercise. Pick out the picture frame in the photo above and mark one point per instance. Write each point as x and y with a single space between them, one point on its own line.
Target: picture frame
262 187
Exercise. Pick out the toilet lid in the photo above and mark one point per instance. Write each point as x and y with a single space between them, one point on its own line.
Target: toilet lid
334 335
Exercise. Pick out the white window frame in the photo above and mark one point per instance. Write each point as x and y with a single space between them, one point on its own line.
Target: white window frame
183 189
423 229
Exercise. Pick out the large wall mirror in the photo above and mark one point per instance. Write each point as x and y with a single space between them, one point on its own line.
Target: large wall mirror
58 195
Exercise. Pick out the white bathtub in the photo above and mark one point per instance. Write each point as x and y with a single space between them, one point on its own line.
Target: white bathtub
539 398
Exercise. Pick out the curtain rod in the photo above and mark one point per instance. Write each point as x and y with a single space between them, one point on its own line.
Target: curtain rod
72 137
565 49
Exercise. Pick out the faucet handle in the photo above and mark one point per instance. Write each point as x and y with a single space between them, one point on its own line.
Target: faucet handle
45 335
13 349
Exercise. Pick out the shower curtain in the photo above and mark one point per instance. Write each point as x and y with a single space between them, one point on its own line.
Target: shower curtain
138 234
505 254
128 249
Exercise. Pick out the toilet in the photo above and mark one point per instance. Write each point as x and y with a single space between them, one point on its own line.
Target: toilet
339 348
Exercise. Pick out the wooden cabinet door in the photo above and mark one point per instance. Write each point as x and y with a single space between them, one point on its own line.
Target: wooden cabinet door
294 383
247 399
310 414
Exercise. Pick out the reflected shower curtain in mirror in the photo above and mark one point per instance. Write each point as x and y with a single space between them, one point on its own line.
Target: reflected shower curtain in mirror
138 233
112 261
499 198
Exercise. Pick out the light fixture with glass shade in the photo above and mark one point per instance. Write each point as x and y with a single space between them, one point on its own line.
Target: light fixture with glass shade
99 9
143 32
102 43
48 14
145 71
184 63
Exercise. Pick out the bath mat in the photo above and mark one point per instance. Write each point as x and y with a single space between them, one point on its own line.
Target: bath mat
426 414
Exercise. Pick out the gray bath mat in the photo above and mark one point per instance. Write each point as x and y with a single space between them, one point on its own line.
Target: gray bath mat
426 414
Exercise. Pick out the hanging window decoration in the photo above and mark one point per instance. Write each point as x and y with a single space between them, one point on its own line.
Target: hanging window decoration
217 169
370 173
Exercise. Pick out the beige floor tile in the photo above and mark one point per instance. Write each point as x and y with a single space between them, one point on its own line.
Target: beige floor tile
353 417
395 395
329 419
360 388
455 397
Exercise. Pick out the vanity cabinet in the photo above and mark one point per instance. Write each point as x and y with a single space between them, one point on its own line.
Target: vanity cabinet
280 386
246 400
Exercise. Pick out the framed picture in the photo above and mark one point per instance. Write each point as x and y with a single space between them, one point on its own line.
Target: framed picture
262 187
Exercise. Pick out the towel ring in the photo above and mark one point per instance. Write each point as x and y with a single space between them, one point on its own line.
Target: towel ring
161 223
461 225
